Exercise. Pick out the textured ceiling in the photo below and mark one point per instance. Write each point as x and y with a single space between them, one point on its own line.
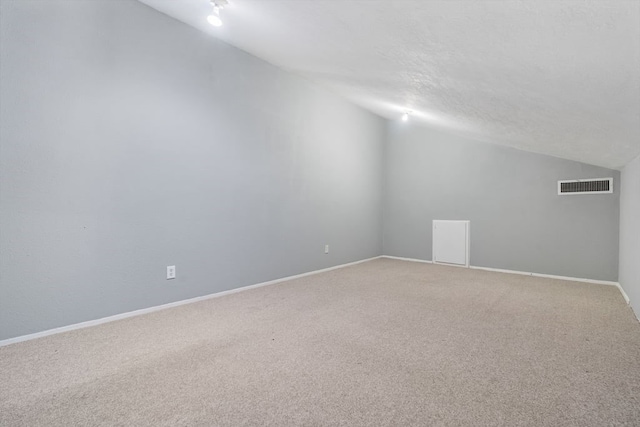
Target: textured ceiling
555 77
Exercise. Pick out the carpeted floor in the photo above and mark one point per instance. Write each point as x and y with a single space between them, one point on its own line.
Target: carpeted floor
384 343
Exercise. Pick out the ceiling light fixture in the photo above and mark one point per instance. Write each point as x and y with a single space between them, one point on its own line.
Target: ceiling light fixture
406 115
214 18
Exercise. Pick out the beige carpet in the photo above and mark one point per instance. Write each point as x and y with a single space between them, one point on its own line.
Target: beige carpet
384 343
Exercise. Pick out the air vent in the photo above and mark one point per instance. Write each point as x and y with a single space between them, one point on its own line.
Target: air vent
586 186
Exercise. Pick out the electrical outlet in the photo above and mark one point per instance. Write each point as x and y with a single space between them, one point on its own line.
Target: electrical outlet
326 249
171 272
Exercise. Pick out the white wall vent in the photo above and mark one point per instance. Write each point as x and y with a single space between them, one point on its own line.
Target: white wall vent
586 186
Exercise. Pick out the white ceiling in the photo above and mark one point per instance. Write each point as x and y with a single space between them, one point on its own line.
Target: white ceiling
555 77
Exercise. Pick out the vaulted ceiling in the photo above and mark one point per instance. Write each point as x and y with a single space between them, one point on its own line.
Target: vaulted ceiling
554 77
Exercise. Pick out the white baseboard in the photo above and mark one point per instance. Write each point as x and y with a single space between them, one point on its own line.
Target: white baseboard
407 259
548 276
166 306
525 273
273 282
624 294
626 298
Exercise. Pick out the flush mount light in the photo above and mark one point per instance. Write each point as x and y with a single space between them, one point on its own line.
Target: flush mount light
214 18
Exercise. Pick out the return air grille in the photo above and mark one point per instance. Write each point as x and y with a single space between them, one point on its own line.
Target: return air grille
586 186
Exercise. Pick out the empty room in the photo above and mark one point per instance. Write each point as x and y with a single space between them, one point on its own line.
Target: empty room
319 213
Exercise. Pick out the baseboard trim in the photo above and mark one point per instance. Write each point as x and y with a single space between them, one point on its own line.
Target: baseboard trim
624 294
148 310
548 276
407 259
524 273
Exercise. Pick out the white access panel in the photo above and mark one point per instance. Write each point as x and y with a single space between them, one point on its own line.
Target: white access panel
451 242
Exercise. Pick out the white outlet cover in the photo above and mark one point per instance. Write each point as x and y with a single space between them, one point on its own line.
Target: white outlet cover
171 272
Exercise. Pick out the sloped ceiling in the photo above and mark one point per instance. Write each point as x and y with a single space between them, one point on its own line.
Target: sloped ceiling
555 77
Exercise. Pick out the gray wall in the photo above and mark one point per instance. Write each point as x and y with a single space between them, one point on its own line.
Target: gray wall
630 233
130 141
518 222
